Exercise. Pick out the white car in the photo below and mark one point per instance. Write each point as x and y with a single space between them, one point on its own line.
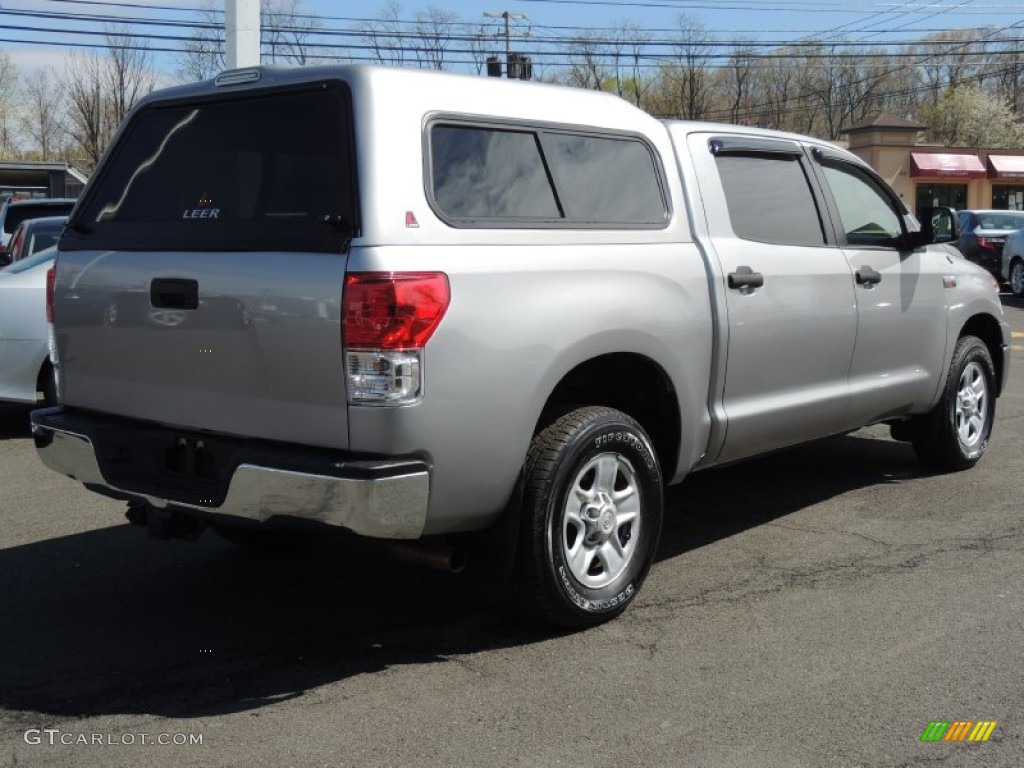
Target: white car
25 368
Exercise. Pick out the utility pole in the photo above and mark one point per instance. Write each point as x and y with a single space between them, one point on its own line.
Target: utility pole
507 16
242 33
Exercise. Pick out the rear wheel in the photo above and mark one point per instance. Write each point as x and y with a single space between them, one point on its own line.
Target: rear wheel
1017 278
591 518
954 435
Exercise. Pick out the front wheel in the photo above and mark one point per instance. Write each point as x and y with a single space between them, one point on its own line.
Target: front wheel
954 435
591 517
1017 278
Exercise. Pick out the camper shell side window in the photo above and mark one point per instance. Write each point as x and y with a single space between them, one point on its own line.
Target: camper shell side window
506 174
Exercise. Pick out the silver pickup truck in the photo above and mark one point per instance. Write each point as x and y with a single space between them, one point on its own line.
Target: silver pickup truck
435 308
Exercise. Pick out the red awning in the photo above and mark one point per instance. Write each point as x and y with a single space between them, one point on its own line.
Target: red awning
930 165
1006 166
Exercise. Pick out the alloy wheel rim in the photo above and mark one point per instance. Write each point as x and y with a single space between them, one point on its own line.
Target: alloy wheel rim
971 410
601 520
1017 278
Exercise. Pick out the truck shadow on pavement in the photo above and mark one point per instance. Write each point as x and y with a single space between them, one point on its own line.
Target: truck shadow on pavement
721 502
111 621
14 421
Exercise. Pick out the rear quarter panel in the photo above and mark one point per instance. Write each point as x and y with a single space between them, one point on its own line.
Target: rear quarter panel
520 318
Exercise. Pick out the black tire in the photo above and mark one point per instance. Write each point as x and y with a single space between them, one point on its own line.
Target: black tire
1016 277
554 580
955 434
264 539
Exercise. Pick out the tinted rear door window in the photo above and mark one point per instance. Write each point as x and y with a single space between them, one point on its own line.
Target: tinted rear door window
265 172
769 199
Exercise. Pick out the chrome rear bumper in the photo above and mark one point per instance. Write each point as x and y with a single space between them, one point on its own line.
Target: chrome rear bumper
378 498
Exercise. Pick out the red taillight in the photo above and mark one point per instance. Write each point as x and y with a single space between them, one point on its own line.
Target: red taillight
984 243
51 279
392 310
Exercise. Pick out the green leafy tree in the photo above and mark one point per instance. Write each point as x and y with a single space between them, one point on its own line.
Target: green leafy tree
968 116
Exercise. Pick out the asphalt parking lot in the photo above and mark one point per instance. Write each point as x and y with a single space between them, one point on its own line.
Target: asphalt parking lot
815 608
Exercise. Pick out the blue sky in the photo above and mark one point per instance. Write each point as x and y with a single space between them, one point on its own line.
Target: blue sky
727 18
774 20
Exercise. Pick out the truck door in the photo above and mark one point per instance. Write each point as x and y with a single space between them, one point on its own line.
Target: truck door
787 291
901 302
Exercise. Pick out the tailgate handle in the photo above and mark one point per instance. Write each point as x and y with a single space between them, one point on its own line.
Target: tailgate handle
174 293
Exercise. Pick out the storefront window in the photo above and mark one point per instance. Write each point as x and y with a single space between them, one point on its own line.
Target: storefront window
1006 197
949 195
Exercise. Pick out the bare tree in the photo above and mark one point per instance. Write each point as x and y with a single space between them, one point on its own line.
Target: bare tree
203 56
775 86
690 72
947 59
40 118
285 33
480 44
738 77
434 31
8 95
387 36
87 114
588 68
128 74
1008 68
614 49
635 42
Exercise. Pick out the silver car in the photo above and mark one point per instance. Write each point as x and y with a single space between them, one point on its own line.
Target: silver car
1013 262
25 368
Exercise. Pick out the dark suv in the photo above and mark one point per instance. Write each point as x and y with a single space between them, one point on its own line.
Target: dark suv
983 234
13 212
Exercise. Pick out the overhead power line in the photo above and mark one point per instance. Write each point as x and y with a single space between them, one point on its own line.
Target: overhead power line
399 34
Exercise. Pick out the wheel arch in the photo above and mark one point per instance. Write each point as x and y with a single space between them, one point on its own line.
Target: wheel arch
987 328
629 382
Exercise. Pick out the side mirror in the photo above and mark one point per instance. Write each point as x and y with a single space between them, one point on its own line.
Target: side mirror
939 225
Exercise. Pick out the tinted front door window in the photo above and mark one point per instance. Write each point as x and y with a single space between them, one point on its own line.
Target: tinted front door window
866 214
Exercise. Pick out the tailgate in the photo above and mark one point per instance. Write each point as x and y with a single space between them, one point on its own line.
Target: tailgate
259 355
199 281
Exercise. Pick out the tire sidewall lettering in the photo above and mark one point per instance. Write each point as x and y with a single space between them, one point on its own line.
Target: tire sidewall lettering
628 441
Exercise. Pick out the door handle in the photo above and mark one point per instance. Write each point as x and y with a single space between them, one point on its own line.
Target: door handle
867 276
745 277
174 293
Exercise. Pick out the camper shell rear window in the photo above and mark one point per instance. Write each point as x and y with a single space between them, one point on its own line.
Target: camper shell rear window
271 170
